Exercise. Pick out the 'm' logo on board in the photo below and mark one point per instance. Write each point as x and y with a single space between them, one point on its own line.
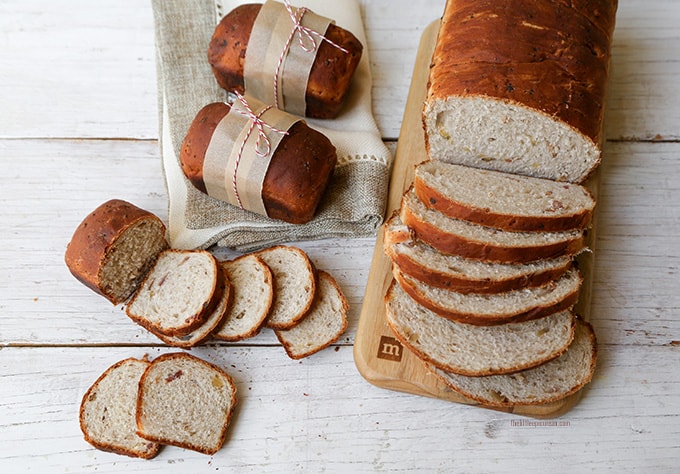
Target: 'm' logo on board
390 349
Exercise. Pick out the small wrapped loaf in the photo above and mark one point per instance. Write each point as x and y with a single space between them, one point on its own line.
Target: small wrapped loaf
333 59
114 247
295 167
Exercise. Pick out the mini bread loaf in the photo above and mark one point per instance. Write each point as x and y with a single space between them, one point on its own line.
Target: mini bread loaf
519 85
503 200
464 275
113 248
476 350
331 72
299 172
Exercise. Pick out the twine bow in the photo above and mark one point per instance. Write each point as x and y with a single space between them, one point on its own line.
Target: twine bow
304 34
263 145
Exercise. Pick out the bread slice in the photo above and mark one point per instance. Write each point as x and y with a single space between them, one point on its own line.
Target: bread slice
178 293
496 308
503 200
515 87
107 411
322 326
253 289
294 285
476 350
185 401
422 262
211 323
546 383
455 236
113 248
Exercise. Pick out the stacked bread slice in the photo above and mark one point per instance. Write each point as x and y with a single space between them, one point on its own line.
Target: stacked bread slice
188 297
485 282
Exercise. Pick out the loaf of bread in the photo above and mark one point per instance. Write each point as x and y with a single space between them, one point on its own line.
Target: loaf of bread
496 308
331 72
108 409
476 350
502 200
546 383
459 237
464 275
299 172
114 247
185 401
519 86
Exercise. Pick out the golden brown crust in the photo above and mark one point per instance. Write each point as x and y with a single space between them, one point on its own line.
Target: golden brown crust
95 237
551 56
434 199
456 245
331 73
470 318
432 277
299 173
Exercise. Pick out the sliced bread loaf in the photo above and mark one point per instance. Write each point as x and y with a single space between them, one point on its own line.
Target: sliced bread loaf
185 401
464 275
324 323
455 236
503 200
546 383
211 323
516 87
294 285
496 308
476 350
107 411
114 247
178 293
253 289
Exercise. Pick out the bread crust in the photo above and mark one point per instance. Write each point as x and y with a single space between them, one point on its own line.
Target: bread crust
144 386
398 333
512 316
439 279
434 199
299 173
330 76
550 56
94 238
457 245
154 448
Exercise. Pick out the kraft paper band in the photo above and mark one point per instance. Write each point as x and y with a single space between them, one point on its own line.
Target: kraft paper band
232 169
279 57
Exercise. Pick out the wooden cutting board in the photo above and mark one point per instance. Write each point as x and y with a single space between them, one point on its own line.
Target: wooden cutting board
379 356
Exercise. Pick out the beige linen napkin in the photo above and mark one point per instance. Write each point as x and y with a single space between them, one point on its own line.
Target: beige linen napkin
355 202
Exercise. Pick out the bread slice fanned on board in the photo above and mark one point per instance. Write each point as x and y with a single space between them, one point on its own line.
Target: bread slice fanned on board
459 237
294 285
508 91
113 248
108 408
503 200
178 293
422 262
546 383
185 401
323 324
476 350
496 308
253 293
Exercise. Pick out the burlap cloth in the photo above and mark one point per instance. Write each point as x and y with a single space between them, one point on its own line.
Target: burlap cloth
355 202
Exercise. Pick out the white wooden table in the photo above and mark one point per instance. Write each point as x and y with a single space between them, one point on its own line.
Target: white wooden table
78 126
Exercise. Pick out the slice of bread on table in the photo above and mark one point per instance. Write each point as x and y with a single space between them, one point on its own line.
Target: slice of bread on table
108 410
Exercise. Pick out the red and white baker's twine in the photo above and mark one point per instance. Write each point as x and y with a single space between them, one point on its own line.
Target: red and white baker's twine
304 33
255 122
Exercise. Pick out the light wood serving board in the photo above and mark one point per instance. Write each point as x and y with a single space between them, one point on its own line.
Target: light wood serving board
379 356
